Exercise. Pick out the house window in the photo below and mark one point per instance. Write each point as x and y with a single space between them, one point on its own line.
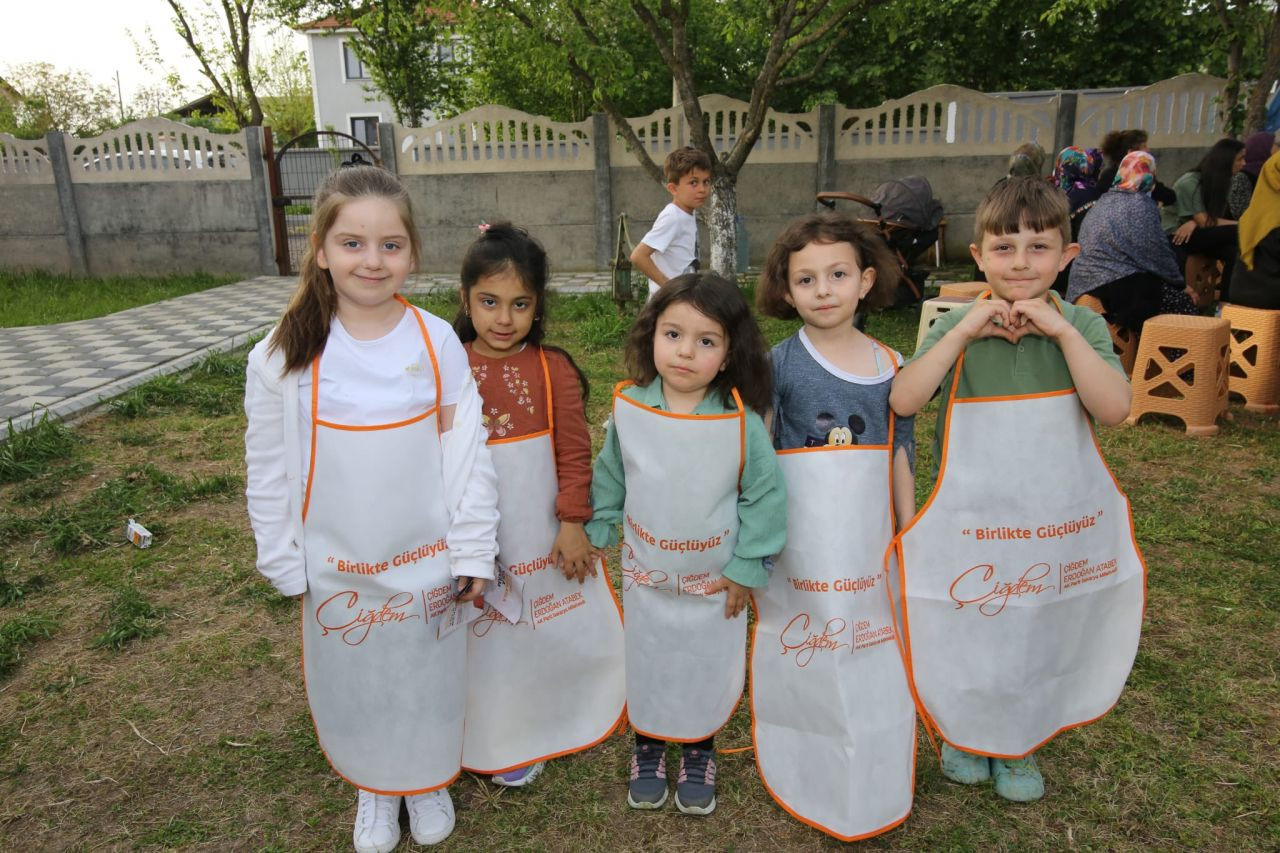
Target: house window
444 52
352 67
365 128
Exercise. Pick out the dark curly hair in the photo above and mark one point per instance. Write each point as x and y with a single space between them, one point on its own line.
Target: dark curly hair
747 367
500 247
869 250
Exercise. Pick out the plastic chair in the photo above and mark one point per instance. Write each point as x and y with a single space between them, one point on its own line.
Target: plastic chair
934 308
1254 373
1204 275
967 289
1123 341
1181 371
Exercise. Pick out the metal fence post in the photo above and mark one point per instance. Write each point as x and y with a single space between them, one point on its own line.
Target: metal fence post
601 136
57 150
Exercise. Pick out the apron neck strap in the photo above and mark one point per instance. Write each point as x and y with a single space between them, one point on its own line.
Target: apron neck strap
546 382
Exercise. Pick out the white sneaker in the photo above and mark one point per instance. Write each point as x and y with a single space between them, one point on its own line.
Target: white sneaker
377 823
430 816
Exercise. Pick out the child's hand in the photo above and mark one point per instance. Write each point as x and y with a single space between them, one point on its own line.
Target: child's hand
988 318
469 589
1038 317
573 553
736 595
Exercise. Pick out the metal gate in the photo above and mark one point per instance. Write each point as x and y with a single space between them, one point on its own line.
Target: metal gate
297 170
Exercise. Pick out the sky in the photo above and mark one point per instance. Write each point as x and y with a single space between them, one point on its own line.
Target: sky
93 36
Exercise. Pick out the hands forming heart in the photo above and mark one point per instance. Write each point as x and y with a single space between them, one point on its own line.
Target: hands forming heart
997 318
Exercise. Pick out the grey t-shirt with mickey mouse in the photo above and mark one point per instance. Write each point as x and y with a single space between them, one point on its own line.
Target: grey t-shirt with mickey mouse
816 403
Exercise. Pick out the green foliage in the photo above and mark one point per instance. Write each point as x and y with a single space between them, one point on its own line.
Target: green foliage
129 617
20 632
37 298
408 51
12 592
50 99
221 393
98 518
27 453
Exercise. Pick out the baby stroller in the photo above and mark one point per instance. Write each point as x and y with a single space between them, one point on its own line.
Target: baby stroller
907 216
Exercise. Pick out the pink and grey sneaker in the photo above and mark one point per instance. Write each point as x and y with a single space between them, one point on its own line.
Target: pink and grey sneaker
519 777
696 785
648 788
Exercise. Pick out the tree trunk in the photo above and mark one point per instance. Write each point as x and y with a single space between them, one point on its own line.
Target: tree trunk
722 221
1231 91
1255 118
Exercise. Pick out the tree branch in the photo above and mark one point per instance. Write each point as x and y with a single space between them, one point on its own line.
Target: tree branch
187 34
607 103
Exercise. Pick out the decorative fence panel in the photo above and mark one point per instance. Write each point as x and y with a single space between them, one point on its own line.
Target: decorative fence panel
23 161
1179 112
785 137
943 121
494 139
157 149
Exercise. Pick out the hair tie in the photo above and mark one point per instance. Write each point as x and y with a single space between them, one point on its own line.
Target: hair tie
484 227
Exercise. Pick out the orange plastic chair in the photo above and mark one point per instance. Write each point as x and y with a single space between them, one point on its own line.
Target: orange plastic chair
1181 370
967 289
1204 275
1123 341
1254 373
934 308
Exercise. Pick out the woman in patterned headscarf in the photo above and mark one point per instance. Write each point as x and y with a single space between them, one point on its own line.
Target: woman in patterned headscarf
1125 258
1076 174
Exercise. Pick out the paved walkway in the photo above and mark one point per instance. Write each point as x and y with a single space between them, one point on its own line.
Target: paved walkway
68 368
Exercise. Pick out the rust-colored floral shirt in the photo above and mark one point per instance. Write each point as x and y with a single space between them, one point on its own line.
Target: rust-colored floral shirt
515 404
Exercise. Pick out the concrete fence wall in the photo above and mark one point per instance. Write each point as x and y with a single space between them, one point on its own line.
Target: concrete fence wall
157 197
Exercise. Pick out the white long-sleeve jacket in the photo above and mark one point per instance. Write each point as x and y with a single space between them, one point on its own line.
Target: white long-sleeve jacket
274 445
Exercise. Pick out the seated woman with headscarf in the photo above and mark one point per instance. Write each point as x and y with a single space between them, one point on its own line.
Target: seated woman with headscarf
1076 174
1125 258
1256 279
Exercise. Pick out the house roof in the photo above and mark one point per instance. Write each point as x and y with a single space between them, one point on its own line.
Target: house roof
334 22
330 23
201 106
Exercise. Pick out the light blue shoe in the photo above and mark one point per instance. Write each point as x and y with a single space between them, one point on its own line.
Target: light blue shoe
1018 779
519 777
964 767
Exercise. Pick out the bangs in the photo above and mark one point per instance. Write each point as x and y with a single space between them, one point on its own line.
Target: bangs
1019 203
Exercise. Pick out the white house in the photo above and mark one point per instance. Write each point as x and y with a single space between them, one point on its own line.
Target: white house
344 97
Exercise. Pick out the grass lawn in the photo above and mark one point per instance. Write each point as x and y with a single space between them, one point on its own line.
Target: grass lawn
37 299
152 699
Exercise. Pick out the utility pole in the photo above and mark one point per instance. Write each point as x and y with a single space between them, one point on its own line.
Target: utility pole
120 96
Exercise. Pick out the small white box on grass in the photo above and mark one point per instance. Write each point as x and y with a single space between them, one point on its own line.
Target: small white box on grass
137 534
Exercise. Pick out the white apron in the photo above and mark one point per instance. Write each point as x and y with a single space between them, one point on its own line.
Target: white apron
1024 588
553 683
685 661
386 695
833 720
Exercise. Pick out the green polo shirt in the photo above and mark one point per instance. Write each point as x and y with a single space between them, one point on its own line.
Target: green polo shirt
762 491
993 367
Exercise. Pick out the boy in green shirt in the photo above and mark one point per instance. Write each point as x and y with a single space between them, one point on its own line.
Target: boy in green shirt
1021 341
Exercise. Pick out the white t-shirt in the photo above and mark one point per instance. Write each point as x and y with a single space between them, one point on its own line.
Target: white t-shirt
384 380
674 240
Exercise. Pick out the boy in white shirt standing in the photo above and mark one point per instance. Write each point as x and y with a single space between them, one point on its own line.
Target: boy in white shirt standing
671 246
